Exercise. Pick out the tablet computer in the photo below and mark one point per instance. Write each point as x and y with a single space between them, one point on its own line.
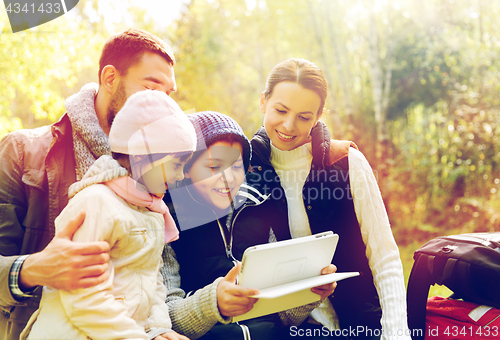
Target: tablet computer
285 271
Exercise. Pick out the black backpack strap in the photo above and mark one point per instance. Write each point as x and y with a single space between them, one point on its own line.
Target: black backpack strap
463 276
447 274
417 292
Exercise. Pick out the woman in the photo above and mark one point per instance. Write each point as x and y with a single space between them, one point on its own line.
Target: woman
323 185
211 203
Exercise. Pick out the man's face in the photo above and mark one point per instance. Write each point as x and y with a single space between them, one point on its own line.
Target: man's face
152 72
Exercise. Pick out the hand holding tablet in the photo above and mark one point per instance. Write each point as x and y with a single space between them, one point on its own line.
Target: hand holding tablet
285 271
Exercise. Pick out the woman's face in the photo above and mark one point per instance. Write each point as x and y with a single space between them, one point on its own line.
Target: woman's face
290 114
218 173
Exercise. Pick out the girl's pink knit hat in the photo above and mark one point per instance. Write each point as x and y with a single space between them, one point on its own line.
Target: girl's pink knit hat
151 122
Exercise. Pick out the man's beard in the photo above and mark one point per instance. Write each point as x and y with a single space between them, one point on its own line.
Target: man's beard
116 103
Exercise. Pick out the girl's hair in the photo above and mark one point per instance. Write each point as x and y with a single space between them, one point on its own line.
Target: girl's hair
155 156
231 139
124 159
302 72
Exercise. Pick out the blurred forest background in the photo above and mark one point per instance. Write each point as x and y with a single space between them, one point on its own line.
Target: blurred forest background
413 82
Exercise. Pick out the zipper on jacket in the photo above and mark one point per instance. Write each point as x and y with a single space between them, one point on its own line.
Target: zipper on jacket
229 245
137 232
234 221
246 332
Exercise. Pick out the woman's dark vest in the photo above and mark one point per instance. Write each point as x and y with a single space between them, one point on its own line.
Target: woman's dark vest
329 206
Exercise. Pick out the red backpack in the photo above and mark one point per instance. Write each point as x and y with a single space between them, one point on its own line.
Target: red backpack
468 264
456 319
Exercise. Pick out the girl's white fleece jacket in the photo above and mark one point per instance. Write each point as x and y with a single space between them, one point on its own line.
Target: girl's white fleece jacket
131 303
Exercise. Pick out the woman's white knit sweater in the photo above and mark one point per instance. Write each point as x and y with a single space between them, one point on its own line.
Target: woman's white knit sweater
293 168
381 250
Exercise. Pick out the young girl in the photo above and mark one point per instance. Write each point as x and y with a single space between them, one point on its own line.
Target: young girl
322 185
151 139
212 204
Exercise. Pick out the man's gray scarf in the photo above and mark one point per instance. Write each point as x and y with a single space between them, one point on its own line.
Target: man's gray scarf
89 140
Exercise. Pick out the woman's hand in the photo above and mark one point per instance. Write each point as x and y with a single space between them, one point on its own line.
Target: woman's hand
234 300
326 290
171 336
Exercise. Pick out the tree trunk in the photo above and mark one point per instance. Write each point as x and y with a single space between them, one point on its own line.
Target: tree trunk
377 85
335 118
381 86
349 112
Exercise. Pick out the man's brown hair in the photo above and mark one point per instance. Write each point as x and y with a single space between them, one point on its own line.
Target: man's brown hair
125 49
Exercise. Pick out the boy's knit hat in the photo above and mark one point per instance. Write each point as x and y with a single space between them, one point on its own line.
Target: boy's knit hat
150 122
213 126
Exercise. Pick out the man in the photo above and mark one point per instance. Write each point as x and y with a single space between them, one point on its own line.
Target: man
37 167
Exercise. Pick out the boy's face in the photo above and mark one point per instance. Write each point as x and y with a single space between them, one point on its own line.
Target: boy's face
218 173
158 175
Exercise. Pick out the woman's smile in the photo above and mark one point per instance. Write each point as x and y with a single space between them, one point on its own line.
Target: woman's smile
284 137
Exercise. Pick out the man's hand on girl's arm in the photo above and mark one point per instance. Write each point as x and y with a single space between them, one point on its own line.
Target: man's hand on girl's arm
65 264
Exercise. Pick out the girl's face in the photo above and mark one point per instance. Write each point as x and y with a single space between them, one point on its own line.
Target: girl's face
157 175
218 174
290 114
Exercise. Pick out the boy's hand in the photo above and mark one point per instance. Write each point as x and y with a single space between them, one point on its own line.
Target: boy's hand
232 299
326 290
171 336
65 264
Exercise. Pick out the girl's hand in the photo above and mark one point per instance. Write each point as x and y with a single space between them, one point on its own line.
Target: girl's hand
171 336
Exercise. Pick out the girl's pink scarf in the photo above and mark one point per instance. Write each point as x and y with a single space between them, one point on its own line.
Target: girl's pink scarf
126 188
